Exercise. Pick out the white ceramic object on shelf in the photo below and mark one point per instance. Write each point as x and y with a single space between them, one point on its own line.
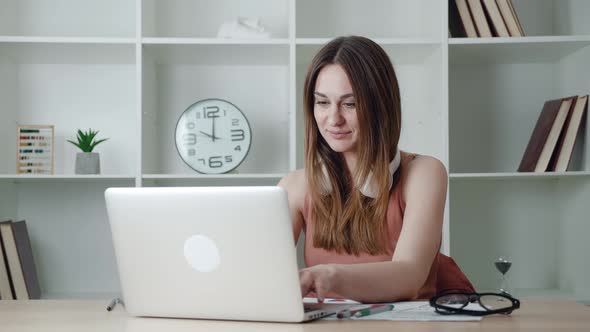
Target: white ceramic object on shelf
243 27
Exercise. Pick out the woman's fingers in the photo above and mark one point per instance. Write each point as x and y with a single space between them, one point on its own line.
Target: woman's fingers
314 281
321 290
306 282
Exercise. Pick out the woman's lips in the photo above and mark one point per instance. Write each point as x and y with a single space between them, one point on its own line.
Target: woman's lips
339 134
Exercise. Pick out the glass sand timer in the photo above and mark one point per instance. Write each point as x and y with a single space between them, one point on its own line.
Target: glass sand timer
503 264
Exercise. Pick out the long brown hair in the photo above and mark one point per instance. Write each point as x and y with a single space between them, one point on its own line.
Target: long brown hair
346 220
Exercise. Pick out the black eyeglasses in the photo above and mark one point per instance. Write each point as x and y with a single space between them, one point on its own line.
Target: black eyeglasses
474 304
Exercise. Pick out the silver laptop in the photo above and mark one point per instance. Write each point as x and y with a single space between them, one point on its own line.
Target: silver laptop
208 253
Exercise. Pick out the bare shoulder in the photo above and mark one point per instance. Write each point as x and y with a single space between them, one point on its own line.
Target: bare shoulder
425 172
295 183
423 165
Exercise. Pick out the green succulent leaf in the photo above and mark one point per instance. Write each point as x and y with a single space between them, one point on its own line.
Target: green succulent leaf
86 140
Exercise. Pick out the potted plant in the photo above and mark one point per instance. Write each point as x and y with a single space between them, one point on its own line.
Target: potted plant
87 162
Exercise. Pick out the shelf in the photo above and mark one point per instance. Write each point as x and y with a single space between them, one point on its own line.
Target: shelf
168 180
25 178
70 236
72 18
216 53
514 50
553 17
255 78
380 41
517 175
202 19
47 83
211 177
583 39
540 225
213 41
418 53
65 40
494 106
70 86
69 51
387 18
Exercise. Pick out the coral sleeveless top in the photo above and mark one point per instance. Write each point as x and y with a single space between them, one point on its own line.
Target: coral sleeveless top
444 274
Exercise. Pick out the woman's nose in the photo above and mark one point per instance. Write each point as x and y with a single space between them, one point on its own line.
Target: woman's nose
335 118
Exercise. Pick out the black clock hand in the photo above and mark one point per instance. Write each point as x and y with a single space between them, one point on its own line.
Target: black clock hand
213 129
204 133
209 135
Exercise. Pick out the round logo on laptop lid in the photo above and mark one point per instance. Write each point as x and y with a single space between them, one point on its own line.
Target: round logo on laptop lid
201 253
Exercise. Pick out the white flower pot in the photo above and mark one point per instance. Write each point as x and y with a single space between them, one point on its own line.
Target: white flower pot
87 163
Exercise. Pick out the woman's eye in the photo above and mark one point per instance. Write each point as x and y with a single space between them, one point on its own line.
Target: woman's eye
321 102
349 105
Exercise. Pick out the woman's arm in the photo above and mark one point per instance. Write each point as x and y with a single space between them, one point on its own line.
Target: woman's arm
295 185
418 244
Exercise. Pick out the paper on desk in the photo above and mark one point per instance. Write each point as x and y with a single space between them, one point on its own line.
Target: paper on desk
330 300
415 311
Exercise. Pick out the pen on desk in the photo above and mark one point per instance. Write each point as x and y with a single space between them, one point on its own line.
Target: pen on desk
112 304
372 311
348 313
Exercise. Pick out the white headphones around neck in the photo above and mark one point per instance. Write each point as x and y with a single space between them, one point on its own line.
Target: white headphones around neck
369 188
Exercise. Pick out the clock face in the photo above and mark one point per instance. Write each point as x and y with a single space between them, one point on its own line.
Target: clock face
213 136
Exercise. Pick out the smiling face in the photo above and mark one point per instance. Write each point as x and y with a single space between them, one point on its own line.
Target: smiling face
335 109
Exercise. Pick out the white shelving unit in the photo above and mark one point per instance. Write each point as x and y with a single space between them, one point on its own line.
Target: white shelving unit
130 67
497 87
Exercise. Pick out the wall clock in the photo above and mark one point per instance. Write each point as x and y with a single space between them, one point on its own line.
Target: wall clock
213 136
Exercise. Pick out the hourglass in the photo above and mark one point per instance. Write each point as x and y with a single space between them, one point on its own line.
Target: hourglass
503 264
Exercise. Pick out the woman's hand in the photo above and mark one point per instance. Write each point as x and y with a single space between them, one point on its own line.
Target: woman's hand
319 279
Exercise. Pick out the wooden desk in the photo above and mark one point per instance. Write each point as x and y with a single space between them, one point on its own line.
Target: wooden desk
49 315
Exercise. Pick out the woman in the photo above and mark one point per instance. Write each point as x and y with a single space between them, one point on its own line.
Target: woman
372 215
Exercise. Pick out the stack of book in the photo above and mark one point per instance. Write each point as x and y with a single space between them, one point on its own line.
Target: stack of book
18 275
483 18
552 141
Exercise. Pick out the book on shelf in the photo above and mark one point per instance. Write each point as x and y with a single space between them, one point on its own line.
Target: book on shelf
483 18
574 124
495 19
543 140
20 262
6 291
510 18
479 17
460 20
